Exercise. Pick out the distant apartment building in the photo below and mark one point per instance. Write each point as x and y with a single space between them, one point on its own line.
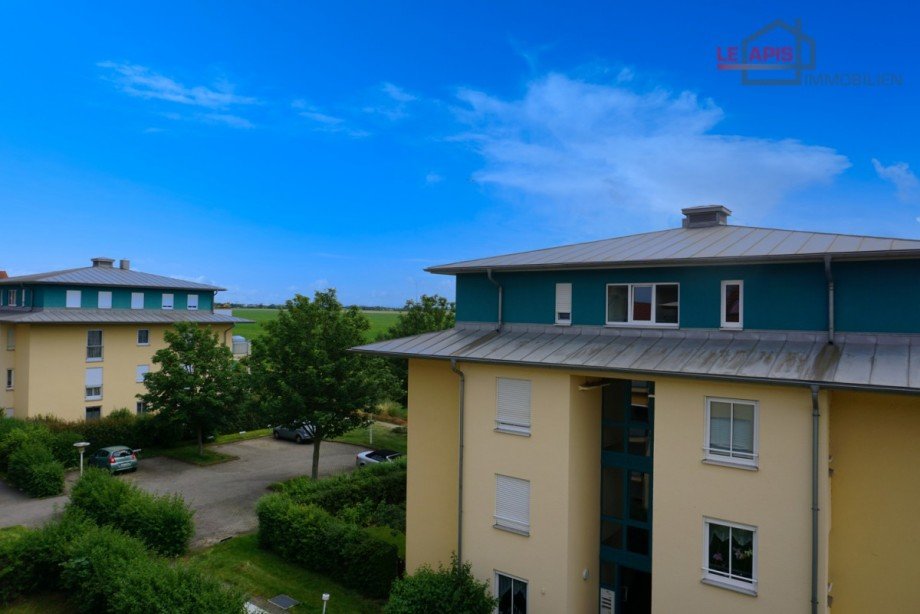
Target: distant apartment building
77 343
712 418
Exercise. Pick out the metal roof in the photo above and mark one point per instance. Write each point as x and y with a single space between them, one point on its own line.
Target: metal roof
108 276
856 360
114 316
694 246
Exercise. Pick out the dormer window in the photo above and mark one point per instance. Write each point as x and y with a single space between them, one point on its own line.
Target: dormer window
732 304
564 304
643 304
167 301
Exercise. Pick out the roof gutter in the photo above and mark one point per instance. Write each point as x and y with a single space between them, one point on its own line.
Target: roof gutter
498 329
828 274
453 367
815 423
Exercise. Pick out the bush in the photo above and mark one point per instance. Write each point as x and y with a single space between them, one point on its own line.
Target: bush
32 469
153 587
121 427
18 434
33 561
63 449
163 522
309 536
383 482
451 590
375 513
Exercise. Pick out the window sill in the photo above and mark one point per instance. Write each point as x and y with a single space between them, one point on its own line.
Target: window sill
730 464
91 399
505 431
563 323
511 530
726 327
143 345
744 590
93 360
640 325
10 389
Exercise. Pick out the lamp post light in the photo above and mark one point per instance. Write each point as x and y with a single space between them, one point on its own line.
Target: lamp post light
81 446
325 601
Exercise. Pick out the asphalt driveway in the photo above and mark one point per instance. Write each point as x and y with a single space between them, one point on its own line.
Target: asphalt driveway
223 496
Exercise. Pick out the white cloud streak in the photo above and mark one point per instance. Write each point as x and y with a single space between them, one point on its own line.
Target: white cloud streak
906 184
142 82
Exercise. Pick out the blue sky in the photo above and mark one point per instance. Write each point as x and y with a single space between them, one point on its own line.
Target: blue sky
276 148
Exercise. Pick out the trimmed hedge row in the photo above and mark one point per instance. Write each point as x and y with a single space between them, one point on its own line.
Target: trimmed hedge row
33 470
162 522
381 483
120 428
310 536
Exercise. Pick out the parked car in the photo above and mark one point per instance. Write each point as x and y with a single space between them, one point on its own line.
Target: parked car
370 457
115 459
299 432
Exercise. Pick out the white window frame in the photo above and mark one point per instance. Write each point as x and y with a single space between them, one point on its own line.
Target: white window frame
92 392
10 337
140 408
189 305
729 457
73 299
513 578
137 300
715 578
740 323
505 522
138 337
11 295
10 379
86 412
506 424
563 304
168 304
101 345
140 372
629 305
105 299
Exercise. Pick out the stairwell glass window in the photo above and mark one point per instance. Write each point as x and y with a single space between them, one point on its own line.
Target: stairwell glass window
137 300
564 304
10 379
513 405
512 504
167 301
105 300
192 302
93 345
511 593
730 555
143 336
93 383
72 299
731 432
732 304
643 305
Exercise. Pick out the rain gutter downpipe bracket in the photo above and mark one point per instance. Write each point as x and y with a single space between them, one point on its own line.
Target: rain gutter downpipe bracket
500 293
453 367
815 439
830 299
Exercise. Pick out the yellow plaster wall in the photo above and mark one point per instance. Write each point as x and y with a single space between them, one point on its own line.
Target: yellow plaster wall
874 540
776 499
431 502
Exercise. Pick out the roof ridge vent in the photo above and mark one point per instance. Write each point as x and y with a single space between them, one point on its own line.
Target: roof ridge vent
102 262
705 215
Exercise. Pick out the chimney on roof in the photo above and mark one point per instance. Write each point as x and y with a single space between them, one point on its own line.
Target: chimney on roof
706 215
124 265
3 275
103 263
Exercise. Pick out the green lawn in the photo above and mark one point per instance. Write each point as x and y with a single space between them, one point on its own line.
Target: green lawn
242 564
380 321
384 438
189 452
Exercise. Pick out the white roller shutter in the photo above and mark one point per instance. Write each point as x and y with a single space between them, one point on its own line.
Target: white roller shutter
513 405
105 300
512 503
137 300
563 303
73 299
94 377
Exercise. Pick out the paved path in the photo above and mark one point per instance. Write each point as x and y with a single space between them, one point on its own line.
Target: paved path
223 496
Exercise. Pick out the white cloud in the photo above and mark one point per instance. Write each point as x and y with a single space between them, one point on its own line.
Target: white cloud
397 93
433 178
228 119
394 103
140 81
582 152
904 180
324 122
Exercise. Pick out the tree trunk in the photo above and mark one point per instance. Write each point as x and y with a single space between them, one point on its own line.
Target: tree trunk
316 442
200 442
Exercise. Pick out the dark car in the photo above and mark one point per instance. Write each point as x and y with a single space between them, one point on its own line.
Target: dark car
115 459
371 457
300 432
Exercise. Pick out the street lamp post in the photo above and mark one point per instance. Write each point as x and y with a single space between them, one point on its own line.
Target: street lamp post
81 446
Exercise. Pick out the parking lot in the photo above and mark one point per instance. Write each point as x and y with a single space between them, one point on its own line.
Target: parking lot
223 496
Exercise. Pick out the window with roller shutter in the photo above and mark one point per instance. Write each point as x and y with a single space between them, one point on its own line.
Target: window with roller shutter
564 304
513 406
512 504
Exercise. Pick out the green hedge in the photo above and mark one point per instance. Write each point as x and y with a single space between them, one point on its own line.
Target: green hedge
309 536
120 428
163 522
449 590
33 470
380 483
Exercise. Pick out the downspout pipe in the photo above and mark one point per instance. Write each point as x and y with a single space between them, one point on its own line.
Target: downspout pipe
500 293
830 299
815 423
453 367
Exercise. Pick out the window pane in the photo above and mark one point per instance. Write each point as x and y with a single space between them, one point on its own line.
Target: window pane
637 540
614 403
720 424
519 599
504 595
612 492
613 439
666 304
718 548
639 442
642 303
612 534
732 303
742 553
639 492
617 302
608 573
743 428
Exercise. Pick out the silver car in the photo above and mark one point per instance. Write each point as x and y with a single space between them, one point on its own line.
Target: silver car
371 457
298 432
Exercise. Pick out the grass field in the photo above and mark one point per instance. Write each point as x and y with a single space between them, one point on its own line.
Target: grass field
384 438
380 321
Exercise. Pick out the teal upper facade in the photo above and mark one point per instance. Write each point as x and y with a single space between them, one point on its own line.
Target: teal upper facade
55 297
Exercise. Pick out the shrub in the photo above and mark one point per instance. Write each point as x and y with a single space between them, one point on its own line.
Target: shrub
450 590
153 587
19 434
383 482
63 449
309 536
163 522
375 513
32 469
